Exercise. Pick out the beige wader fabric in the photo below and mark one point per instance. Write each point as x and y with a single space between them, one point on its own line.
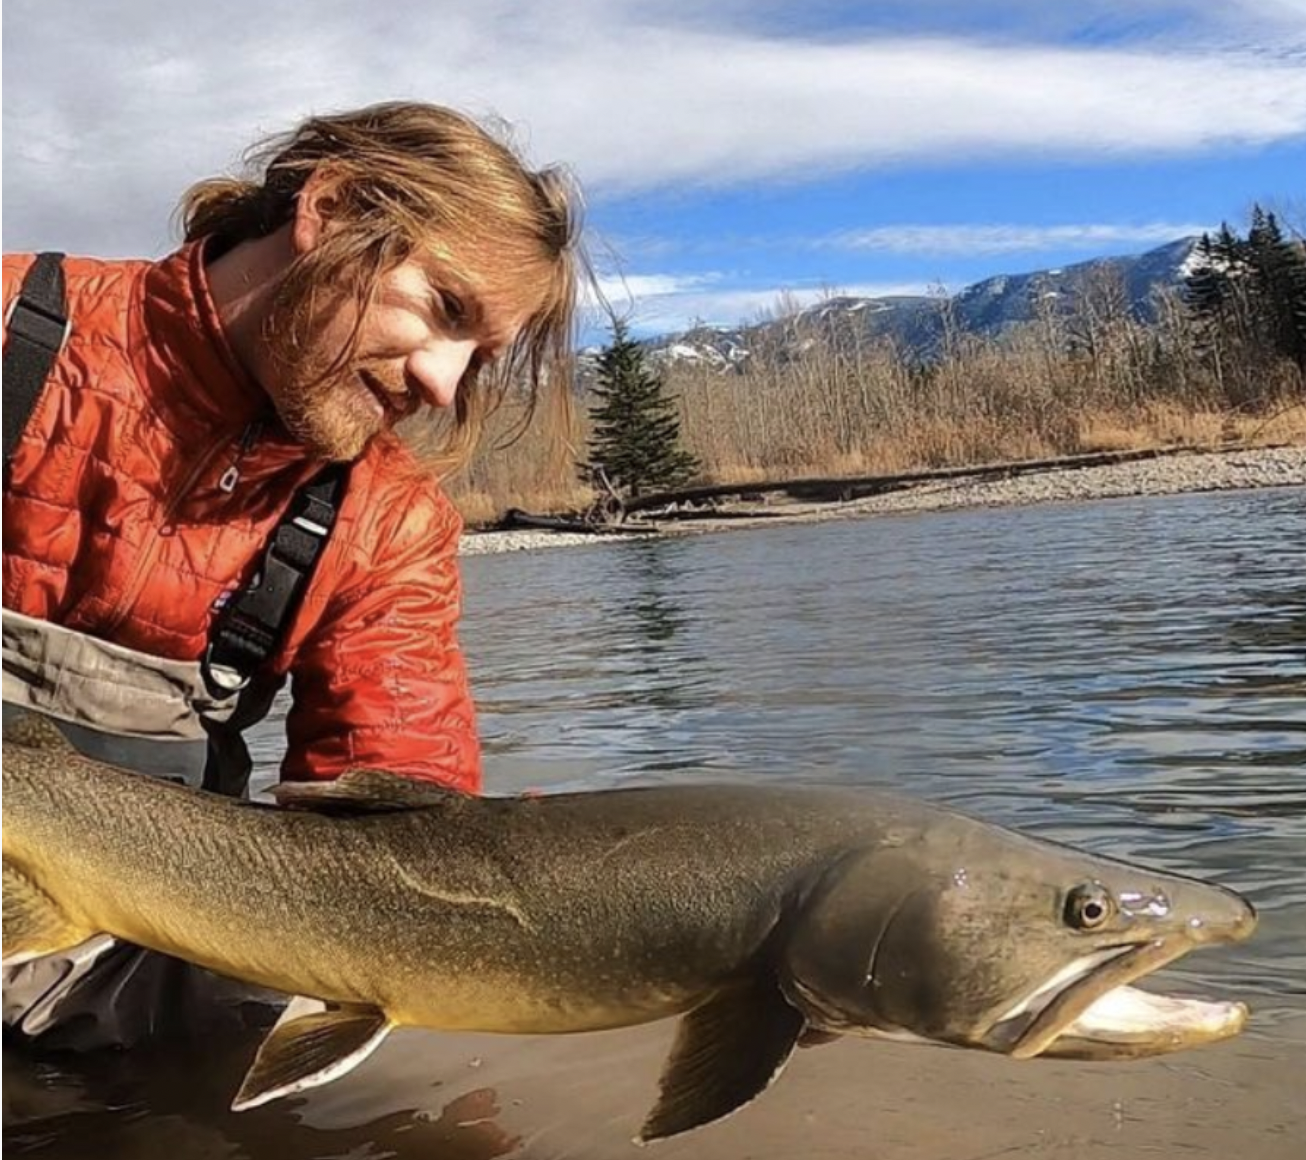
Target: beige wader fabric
90 682
159 718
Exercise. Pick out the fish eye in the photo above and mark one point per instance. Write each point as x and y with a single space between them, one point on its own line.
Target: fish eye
1089 906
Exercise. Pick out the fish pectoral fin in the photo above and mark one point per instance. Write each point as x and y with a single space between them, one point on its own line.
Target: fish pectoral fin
365 791
726 1053
37 731
311 1044
34 924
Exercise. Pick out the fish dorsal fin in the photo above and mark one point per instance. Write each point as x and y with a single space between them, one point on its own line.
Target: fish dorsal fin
36 731
365 791
726 1053
311 1044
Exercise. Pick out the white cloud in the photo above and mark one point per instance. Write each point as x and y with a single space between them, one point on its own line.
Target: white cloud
617 287
729 111
111 110
687 304
981 240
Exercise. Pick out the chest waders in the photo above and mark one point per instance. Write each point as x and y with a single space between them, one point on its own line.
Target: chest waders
179 720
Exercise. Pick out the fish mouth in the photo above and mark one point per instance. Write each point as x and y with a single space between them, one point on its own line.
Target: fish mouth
1090 1011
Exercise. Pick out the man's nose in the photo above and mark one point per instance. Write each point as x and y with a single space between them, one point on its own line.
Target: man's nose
438 369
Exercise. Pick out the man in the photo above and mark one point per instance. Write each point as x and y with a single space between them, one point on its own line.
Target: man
206 496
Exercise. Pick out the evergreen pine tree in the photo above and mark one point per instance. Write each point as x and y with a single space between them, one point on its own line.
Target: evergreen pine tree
1279 270
1207 292
1205 285
1225 294
635 434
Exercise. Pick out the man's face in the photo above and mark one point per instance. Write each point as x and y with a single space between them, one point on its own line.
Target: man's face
416 344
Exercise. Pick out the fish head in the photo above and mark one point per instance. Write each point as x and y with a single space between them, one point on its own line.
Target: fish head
970 935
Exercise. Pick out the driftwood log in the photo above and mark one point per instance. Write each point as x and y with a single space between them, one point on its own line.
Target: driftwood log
845 489
611 513
516 518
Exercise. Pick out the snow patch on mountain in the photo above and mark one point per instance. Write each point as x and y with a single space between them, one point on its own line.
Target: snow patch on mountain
986 308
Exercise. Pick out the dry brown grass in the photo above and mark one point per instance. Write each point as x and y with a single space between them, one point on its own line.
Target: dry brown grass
1171 425
535 472
525 460
857 409
1286 424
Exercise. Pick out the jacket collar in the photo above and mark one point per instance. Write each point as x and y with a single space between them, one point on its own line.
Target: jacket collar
191 372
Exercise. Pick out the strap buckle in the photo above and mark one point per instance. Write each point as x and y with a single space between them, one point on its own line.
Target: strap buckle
222 679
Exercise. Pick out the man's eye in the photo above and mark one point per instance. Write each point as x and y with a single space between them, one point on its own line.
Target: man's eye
451 306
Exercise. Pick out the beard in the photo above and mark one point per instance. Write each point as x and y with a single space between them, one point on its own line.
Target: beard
334 408
334 417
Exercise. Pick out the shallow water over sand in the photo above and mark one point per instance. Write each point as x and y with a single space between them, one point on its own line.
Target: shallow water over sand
1128 676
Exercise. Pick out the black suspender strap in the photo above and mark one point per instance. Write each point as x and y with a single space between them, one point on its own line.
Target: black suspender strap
36 329
250 626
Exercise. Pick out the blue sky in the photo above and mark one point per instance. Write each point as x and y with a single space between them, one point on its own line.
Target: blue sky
730 151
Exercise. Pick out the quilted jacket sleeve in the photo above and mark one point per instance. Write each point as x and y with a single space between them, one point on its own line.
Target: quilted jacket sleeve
380 682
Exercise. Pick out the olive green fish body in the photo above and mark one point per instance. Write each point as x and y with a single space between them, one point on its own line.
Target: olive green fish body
763 915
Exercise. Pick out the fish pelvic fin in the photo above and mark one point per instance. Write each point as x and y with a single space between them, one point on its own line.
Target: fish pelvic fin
365 791
311 1044
34 924
727 1052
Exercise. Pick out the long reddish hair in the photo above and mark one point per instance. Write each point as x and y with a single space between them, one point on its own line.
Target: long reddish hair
407 176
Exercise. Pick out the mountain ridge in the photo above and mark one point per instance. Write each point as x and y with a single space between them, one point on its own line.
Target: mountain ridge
986 309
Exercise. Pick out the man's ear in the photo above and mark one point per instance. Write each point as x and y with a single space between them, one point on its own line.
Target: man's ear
315 209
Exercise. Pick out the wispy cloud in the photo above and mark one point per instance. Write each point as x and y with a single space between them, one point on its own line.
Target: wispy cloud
739 109
667 303
111 110
982 240
616 288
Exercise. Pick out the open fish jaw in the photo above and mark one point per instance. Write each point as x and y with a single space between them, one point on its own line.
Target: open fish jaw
1091 1011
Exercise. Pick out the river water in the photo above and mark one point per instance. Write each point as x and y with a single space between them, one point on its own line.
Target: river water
1128 676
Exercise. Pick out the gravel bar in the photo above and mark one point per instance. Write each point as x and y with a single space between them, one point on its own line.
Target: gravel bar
1167 475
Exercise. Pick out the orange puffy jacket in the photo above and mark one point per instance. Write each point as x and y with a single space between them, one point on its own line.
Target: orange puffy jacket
116 525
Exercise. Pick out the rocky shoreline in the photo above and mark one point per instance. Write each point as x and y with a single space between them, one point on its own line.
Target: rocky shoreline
1194 471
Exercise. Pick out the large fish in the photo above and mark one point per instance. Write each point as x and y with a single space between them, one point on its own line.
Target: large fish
765 917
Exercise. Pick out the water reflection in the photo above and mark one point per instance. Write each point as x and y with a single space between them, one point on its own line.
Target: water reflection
662 668
618 656
654 610
169 1099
